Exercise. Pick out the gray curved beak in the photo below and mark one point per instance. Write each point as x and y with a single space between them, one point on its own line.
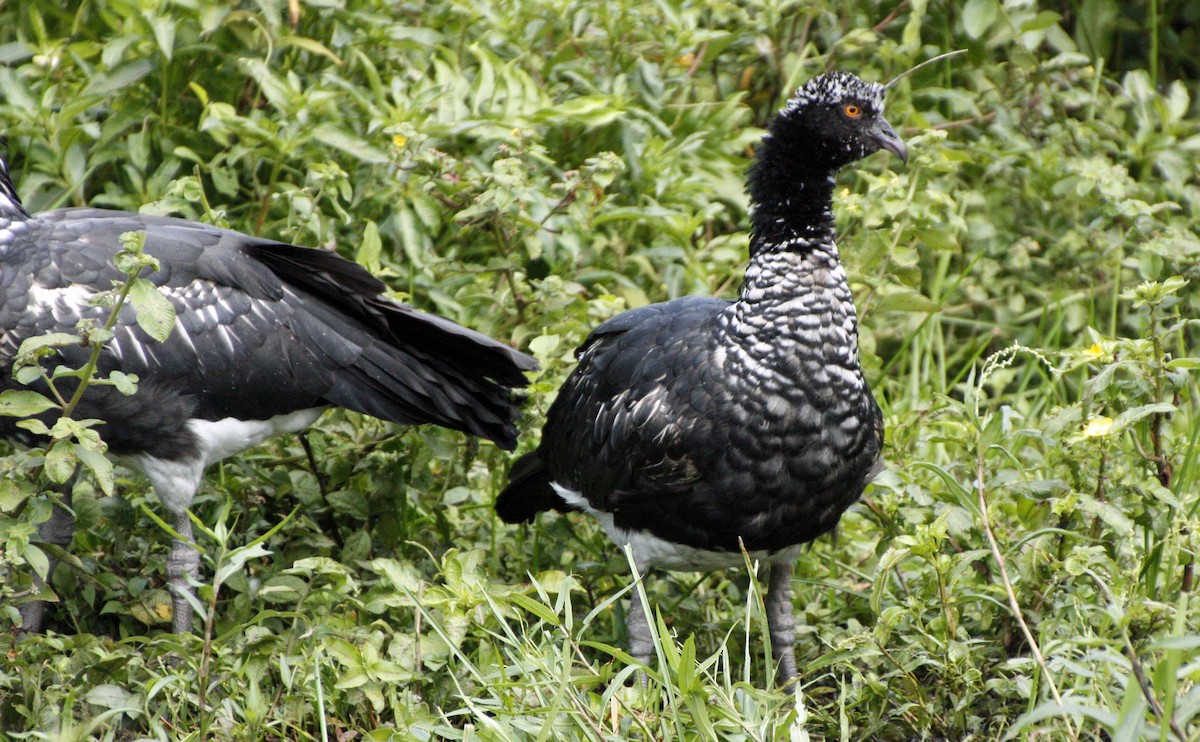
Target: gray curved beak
887 139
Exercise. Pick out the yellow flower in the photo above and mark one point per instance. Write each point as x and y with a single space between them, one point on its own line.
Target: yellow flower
399 140
1096 351
1098 427
685 59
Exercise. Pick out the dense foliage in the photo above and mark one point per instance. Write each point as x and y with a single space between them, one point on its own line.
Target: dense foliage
1027 290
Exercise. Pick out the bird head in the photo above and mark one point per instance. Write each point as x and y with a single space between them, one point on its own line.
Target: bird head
838 118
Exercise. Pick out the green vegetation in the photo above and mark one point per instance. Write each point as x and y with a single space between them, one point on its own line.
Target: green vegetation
1027 287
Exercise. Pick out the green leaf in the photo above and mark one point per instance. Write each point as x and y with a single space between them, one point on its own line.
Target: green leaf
100 467
125 383
15 52
23 403
1133 414
60 461
686 669
12 494
111 696
49 340
34 425
154 311
343 651
119 78
540 610
543 345
1040 22
977 16
164 32
370 246
282 589
590 110
340 138
37 559
906 300
310 45
236 559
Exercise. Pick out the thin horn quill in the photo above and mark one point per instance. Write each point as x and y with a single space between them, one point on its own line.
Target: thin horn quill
931 60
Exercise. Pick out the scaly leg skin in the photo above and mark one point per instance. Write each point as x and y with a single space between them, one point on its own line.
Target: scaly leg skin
183 566
781 621
641 642
58 530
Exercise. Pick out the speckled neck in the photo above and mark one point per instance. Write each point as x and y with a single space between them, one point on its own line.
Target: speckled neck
795 308
794 311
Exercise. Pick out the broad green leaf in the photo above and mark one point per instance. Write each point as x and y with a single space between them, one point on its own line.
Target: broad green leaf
154 311
23 403
49 340
111 696
977 16
60 461
164 32
343 651
34 425
100 467
544 345
284 589
37 559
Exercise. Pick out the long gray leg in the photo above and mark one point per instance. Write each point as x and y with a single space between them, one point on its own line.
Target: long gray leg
58 530
781 621
183 568
641 642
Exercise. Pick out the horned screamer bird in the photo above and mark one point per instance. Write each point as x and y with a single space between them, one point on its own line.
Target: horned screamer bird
695 427
266 336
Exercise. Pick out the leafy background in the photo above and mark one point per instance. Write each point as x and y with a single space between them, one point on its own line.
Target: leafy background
1026 285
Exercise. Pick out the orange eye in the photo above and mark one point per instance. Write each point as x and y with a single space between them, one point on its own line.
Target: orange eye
852 110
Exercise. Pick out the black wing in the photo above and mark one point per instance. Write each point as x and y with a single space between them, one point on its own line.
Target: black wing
629 423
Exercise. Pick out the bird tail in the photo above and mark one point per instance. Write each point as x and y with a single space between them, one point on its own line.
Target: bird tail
418 368
528 492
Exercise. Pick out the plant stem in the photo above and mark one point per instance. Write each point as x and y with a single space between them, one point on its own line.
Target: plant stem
1012 596
1136 665
89 369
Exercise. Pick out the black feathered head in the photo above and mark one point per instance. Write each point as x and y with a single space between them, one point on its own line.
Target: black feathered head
839 119
833 120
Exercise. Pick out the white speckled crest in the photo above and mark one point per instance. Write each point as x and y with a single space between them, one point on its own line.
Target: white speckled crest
834 87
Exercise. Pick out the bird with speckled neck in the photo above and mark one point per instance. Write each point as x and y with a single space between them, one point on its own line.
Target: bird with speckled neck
696 428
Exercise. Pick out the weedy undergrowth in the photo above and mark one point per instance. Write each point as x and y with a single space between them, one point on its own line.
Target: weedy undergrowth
1027 295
